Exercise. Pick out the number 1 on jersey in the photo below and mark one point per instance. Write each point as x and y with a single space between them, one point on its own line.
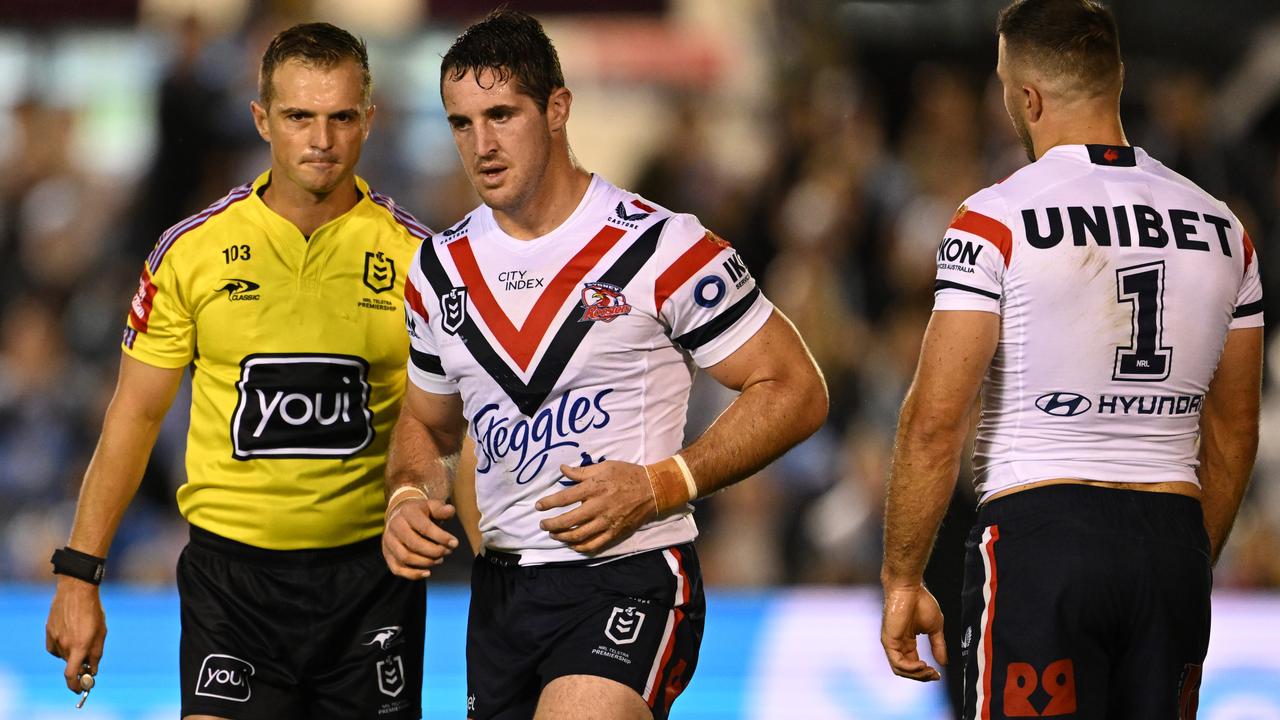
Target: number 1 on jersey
1145 358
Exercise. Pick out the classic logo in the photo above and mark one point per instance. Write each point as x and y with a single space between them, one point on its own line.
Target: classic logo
602 301
1111 155
524 446
391 676
383 637
624 625
237 289
298 405
225 677
453 309
379 272
1063 404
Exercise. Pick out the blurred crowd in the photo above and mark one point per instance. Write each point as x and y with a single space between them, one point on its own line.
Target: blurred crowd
863 161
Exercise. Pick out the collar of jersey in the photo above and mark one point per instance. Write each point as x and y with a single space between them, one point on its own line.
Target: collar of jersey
1081 153
280 224
488 227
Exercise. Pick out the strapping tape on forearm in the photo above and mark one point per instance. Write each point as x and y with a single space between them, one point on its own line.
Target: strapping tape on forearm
671 483
402 491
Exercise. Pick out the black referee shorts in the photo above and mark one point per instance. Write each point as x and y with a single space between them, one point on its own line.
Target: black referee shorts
637 620
1086 603
284 634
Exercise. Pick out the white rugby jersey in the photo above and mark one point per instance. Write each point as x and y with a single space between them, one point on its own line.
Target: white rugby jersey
1116 280
573 348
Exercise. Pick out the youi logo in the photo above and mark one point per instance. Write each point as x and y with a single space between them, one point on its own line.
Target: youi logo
531 440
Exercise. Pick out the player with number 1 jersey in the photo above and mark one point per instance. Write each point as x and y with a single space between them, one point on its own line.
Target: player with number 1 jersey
1116 281
1107 312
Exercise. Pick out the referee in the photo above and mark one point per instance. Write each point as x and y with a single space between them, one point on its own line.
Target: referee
284 298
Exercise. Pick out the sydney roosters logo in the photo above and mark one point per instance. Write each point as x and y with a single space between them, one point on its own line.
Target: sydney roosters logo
603 301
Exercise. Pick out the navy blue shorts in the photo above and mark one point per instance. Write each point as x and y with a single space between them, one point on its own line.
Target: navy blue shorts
1085 603
284 634
637 620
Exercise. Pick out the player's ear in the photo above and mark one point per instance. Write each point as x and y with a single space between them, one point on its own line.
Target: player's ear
1033 102
260 120
558 108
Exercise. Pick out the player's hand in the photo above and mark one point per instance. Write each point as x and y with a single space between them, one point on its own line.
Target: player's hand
76 629
616 499
412 541
911 611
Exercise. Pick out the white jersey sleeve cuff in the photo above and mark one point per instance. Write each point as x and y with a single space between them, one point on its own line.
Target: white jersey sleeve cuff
965 300
432 383
743 330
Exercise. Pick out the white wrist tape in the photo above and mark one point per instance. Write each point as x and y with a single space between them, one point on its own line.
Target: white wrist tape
688 476
402 490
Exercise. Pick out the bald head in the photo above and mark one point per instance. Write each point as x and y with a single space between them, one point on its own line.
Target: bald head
1070 48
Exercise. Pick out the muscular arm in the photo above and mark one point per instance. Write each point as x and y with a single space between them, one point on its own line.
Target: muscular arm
1229 433
425 442
76 628
957 348
422 459
783 401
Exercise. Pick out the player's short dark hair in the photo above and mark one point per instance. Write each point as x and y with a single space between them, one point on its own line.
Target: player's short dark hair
513 46
1072 38
316 44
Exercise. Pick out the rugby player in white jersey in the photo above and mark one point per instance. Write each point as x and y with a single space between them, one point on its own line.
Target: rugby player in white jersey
563 319
1110 312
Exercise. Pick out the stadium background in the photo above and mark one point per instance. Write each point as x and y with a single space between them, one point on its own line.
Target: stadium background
829 141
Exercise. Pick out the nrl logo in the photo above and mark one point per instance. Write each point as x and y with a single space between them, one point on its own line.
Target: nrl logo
379 272
453 309
391 678
624 625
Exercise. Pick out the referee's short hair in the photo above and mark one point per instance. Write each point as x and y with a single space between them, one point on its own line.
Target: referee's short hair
512 45
1076 40
316 44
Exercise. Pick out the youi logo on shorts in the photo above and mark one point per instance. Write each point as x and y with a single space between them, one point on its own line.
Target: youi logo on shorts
298 405
531 440
225 677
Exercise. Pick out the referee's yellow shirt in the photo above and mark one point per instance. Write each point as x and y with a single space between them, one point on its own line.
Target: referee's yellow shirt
298 349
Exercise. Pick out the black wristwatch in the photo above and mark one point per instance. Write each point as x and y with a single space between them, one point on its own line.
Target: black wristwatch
81 566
